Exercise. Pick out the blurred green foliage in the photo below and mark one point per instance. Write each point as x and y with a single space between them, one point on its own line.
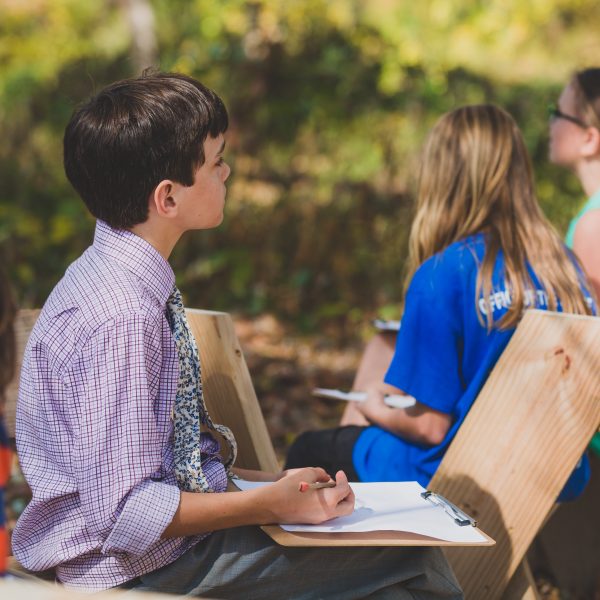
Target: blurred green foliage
330 101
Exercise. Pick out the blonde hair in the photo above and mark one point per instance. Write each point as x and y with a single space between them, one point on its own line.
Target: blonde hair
476 176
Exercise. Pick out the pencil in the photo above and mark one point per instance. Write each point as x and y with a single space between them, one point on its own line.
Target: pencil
315 486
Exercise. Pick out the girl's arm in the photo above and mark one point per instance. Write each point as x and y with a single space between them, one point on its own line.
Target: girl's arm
418 423
374 363
586 246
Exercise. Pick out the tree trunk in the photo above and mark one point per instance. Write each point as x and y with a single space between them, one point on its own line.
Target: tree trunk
140 16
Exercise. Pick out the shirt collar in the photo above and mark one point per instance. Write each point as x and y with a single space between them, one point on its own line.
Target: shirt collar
137 256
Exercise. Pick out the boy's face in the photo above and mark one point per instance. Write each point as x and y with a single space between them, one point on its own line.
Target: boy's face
201 205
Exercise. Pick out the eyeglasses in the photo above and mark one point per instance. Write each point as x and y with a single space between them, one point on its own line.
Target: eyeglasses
555 113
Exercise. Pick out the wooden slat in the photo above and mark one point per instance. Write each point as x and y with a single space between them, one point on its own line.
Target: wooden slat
23 325
522 585
521 440
228 389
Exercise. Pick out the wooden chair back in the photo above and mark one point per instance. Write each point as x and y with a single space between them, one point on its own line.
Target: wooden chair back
524 435
228 390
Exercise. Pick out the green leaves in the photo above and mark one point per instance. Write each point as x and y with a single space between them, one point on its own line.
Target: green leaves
330 101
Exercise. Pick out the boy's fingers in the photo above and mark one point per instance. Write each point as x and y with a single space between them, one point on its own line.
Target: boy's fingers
345 504
320 474
341 477
342 490
341 481
345 507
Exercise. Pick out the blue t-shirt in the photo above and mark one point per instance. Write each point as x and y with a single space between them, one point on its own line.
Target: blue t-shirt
443 357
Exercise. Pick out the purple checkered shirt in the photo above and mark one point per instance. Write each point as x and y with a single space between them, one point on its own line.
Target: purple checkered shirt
94 430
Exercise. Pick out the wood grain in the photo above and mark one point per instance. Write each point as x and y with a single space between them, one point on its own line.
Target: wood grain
521 440
366 538
228 390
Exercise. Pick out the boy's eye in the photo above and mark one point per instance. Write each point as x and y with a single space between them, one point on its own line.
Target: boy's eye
220 161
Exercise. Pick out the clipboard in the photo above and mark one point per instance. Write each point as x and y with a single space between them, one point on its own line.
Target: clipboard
381 538
370 538
424 513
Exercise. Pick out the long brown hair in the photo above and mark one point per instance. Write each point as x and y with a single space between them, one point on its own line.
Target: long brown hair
476 176
7 336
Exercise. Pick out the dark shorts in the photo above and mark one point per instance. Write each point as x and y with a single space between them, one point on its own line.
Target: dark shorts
330 449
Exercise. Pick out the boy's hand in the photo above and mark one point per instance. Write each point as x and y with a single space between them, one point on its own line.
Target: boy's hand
254 475
289 472
312 506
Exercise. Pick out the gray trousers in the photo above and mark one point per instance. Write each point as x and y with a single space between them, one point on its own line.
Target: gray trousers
245 563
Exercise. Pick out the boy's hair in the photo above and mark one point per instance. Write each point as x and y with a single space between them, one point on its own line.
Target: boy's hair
125 140
586 84
7 336
476 176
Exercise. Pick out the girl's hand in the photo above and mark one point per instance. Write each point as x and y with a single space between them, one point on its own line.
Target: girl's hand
418 423
290 505
374 405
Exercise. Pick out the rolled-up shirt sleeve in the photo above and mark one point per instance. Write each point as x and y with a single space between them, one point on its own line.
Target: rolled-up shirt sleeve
426 361
158 503
120 442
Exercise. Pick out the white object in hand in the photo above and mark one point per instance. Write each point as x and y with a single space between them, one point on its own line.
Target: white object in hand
392 400
386 325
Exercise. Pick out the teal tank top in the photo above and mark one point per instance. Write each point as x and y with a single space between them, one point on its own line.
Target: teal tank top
591 204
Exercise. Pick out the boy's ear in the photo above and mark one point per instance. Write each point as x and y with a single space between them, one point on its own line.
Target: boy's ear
591 145
162 198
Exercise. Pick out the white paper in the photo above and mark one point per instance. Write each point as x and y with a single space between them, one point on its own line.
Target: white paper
386 325
393 400
390 506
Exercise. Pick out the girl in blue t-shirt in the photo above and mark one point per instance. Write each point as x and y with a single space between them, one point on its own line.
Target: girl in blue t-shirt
481 252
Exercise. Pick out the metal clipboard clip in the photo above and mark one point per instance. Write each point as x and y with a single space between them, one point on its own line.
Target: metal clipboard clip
460 517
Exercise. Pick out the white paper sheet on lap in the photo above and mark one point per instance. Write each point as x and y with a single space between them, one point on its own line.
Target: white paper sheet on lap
390 506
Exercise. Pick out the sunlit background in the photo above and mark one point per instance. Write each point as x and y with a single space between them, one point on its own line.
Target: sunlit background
329 101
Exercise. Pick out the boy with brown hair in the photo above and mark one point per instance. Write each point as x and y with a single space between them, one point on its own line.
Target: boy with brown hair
113 435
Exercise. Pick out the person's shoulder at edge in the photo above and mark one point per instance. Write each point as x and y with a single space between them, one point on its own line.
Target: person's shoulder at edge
588 226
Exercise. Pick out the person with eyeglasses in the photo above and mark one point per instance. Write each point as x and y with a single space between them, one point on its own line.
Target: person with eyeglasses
575 144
